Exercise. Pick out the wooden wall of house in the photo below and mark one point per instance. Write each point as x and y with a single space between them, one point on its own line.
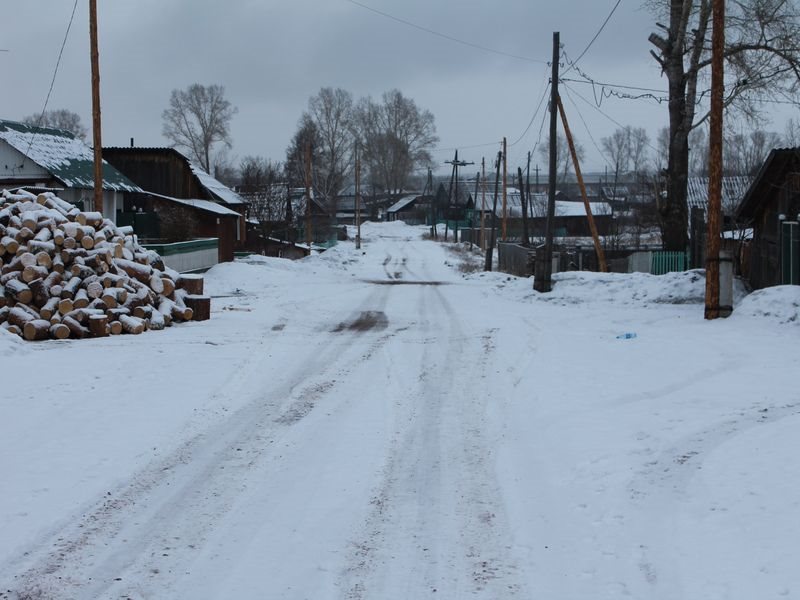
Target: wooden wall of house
765 259
159 171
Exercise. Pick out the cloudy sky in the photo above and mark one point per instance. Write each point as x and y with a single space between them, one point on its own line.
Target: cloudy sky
272 56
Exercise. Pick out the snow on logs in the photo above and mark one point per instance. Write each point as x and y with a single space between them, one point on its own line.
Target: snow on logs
65 273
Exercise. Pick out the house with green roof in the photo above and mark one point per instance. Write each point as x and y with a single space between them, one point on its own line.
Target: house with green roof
41 158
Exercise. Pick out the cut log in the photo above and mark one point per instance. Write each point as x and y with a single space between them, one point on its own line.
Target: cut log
36 329
65 306
156 320
59 331
27 259
169 286
193 284
200 306
76 329
58 264
34 272
115 328
71 287
18 291
10 244
49 309
44 258
95 219
135 270
98 325
133 325
81 299
19 316
41 293
94 290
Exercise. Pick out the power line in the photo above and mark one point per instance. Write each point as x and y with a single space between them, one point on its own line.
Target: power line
588 131
597 108
533 118
444 35
596 35
55 73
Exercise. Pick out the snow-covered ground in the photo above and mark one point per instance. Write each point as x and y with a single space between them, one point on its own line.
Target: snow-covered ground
386 424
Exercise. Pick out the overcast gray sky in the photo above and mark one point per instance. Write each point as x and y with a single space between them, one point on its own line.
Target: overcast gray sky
272 56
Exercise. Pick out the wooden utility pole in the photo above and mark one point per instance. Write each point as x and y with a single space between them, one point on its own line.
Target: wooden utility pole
505 179
308 195
715 160
526 240
598 248
483 203
97 138
358 200
544 271
490 249
454 179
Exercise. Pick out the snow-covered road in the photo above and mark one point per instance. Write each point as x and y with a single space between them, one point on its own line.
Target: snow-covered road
378 425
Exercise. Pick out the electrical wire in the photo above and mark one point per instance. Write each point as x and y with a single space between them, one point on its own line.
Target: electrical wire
55 73
596 35
588 131
597 108
445 36
533 118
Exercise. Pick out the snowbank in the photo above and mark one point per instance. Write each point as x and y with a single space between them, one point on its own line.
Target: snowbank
780 303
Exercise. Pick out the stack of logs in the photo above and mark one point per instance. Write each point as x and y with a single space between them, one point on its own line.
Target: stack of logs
65 273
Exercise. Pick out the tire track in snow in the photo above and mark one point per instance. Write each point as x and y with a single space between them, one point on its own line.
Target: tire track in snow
133 541
437 524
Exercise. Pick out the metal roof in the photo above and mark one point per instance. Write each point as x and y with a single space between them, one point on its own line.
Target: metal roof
733 190
66 158
205 205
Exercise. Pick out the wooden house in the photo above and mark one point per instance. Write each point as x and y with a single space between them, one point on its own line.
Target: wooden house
45 159
166 173
771 206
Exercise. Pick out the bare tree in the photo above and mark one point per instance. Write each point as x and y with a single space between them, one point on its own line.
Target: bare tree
762 61
396 137
626 148
791 134
563 156
295 166
331 111
197 118
744 152
59 119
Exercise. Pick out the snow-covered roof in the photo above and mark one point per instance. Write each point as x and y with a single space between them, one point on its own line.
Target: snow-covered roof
577 209
205 205
402 203
66 158
217 188
733 190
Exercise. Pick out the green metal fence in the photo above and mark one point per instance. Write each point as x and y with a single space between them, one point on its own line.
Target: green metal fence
662 262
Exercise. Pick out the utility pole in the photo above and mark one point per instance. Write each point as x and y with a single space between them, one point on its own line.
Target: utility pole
358 200
454 178
526 240
483 203
308 196
712 308
528 186
97 138
598 248
490 249
505 183
429 186
544 271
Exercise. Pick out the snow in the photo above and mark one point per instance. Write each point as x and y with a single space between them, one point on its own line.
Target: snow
340 430
219 189
206 205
